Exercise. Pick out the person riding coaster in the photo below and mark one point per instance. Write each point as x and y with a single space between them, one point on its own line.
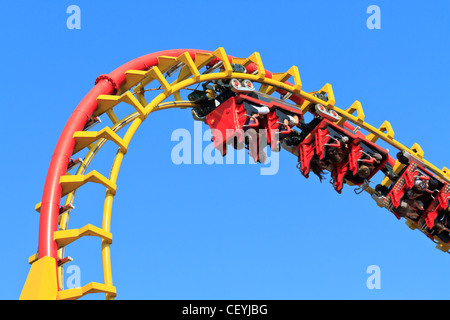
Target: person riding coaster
415 193
233 107
216 92
441 226
333 155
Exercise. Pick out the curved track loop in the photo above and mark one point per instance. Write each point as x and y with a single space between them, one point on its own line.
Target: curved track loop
129 84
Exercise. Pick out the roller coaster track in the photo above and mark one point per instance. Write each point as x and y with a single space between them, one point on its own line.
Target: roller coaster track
171 73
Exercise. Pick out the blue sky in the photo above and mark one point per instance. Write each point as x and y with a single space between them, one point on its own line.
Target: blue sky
225 231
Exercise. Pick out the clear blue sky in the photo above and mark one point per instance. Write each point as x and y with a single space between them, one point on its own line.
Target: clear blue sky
225 231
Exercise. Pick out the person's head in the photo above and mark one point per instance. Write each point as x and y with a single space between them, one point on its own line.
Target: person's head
418 205
377 156
433 184
439 227
317 167
364 171
420 184
335 155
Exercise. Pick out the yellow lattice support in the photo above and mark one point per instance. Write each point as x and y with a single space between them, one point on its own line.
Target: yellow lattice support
65 237
93 287
85 138
70 183
328 89
222 55
360 116
105 103
283 77
189 69
386 129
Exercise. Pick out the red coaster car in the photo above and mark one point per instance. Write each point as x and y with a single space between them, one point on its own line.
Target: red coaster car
232 120
417 194
346 155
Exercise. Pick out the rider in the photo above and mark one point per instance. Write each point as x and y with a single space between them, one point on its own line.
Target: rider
366 169
212 95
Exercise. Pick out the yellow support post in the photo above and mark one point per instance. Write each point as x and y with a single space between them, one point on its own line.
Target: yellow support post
411 224
386 128
446 171
443 247
112 116
256 59
156 74
129 98
328 89
417 150
222 55
177 96
356 106
41 283
33 258
188 69
283 77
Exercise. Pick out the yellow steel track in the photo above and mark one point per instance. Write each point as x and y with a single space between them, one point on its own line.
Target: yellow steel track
190 74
